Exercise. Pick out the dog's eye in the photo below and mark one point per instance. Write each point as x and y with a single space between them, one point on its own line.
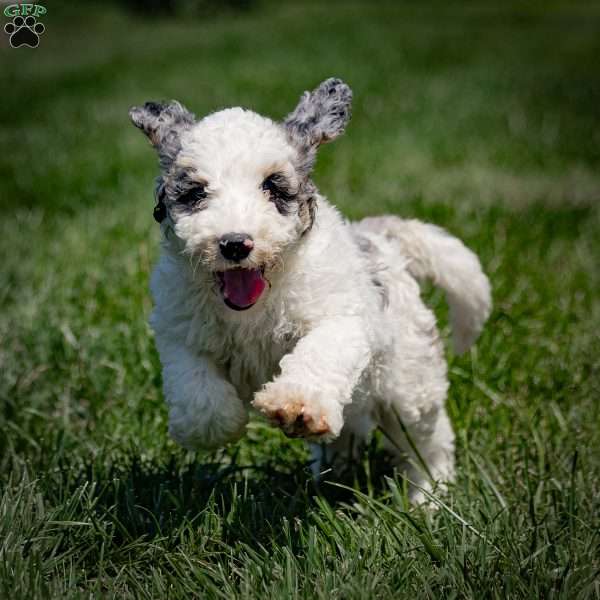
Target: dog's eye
192 196
277 187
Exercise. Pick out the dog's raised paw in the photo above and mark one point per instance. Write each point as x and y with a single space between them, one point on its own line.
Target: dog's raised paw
294 412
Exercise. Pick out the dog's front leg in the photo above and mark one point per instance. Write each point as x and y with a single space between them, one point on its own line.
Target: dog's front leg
317 379
204 409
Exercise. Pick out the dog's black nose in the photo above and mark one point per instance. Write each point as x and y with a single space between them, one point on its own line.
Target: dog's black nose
236 246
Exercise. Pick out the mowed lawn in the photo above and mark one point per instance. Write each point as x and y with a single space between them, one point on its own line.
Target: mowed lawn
481 117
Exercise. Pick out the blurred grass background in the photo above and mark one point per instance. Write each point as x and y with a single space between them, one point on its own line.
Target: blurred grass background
482 117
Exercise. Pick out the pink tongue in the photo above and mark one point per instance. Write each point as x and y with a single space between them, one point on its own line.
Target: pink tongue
243 287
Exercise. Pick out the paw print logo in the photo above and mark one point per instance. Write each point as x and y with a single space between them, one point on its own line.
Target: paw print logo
24 31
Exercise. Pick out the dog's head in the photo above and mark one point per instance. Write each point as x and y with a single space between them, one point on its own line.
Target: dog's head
235 187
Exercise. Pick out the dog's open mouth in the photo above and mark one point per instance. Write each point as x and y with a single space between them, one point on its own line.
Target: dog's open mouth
241 288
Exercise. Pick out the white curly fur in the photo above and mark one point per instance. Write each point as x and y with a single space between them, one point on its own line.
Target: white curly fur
339 342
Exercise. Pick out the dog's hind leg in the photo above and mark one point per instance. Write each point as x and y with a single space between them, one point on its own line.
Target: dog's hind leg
423 454
412 387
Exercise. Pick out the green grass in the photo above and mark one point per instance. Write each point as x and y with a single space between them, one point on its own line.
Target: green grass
483 118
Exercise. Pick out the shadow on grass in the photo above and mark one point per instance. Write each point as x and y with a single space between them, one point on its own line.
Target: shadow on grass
230 502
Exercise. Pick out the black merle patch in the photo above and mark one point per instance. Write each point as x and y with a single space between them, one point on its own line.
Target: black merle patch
307 206
160 210
321 115
183 194
278 189
370 250
302 201
163 123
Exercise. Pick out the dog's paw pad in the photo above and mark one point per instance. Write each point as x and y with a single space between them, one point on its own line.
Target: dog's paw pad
318 426
292 413
306 426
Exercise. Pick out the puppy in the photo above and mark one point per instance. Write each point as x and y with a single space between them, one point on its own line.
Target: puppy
266 297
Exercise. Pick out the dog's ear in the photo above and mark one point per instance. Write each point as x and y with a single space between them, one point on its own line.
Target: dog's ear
321 115
163 123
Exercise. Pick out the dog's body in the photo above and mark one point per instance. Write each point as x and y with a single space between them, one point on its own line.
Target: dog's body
265 296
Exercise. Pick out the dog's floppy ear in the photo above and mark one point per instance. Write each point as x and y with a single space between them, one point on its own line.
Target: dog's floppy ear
163 123
321 115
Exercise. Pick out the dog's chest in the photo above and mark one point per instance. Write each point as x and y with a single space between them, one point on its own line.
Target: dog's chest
247 350
254 360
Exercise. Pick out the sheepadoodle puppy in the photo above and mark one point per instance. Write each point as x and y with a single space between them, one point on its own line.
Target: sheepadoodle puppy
266 297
